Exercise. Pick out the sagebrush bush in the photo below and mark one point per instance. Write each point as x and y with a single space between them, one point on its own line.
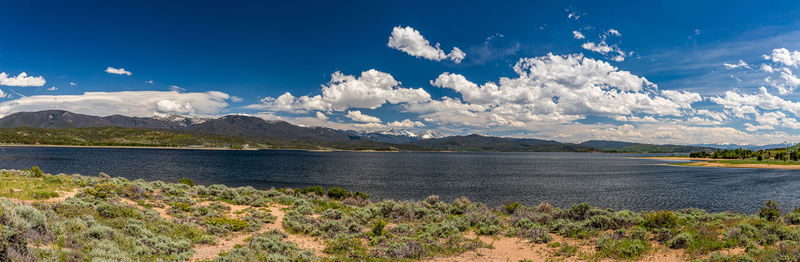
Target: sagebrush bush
660 219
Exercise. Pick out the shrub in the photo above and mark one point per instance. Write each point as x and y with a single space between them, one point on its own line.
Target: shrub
104 190
36 172
512 207
348 246
359 194
227 223
624 248
317 190
639 232
579 211
567 250
770 211
406 248
187 181
338 193
682 240
793 218
660 219
378 228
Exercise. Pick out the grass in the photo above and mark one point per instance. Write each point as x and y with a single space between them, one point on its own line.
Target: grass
33 188
115 219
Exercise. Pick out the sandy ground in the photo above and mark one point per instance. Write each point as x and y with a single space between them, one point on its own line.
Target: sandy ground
762 166
208 252
678 158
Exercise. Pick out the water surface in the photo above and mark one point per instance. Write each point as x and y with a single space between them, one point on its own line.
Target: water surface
617 181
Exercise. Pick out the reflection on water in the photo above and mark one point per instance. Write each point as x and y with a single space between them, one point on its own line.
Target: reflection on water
606 180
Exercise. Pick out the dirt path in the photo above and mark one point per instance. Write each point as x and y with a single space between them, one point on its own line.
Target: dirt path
207 252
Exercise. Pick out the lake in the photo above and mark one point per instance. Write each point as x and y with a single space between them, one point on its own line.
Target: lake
618 181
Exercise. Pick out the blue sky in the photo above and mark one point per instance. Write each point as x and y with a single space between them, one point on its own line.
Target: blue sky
571 71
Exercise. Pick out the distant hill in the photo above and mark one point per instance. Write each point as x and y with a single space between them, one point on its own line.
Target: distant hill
64 119
233 129
616 146
488 143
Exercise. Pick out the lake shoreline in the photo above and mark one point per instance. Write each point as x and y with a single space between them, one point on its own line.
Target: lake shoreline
730 165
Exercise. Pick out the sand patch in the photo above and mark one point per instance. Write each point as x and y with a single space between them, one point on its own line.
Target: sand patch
762 166
207 252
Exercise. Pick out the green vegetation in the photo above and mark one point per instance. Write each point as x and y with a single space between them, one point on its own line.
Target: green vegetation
114 219
143 137
790 154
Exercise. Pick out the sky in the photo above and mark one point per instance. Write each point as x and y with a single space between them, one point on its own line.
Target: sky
679 72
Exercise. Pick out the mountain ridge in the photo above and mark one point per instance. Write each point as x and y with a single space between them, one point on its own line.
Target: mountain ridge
286 134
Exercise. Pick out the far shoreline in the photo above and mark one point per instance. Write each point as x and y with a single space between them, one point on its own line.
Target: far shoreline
712 162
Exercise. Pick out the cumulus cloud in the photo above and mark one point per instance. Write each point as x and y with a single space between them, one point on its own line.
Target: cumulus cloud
661 133
718 116
131 103
741 64
321 116
52 88
118 71
411 41
743 104
577 35
603 48
360 117
551 88
614 32
172 107
406 123
683 99
370 90
21 80
784 56
72 84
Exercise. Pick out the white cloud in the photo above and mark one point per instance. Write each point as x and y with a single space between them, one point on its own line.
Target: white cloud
644 119
550 89
577 35
72 84
370 90
741 64
130 103
767 68
661 133
149 82
614 32
603 48
406 123
359 117
118 71
411 41
172 107
321 116
21 80
784 56
684 99
719 116
52 88
742 104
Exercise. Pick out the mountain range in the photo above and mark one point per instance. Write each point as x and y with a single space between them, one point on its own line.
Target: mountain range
281 134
